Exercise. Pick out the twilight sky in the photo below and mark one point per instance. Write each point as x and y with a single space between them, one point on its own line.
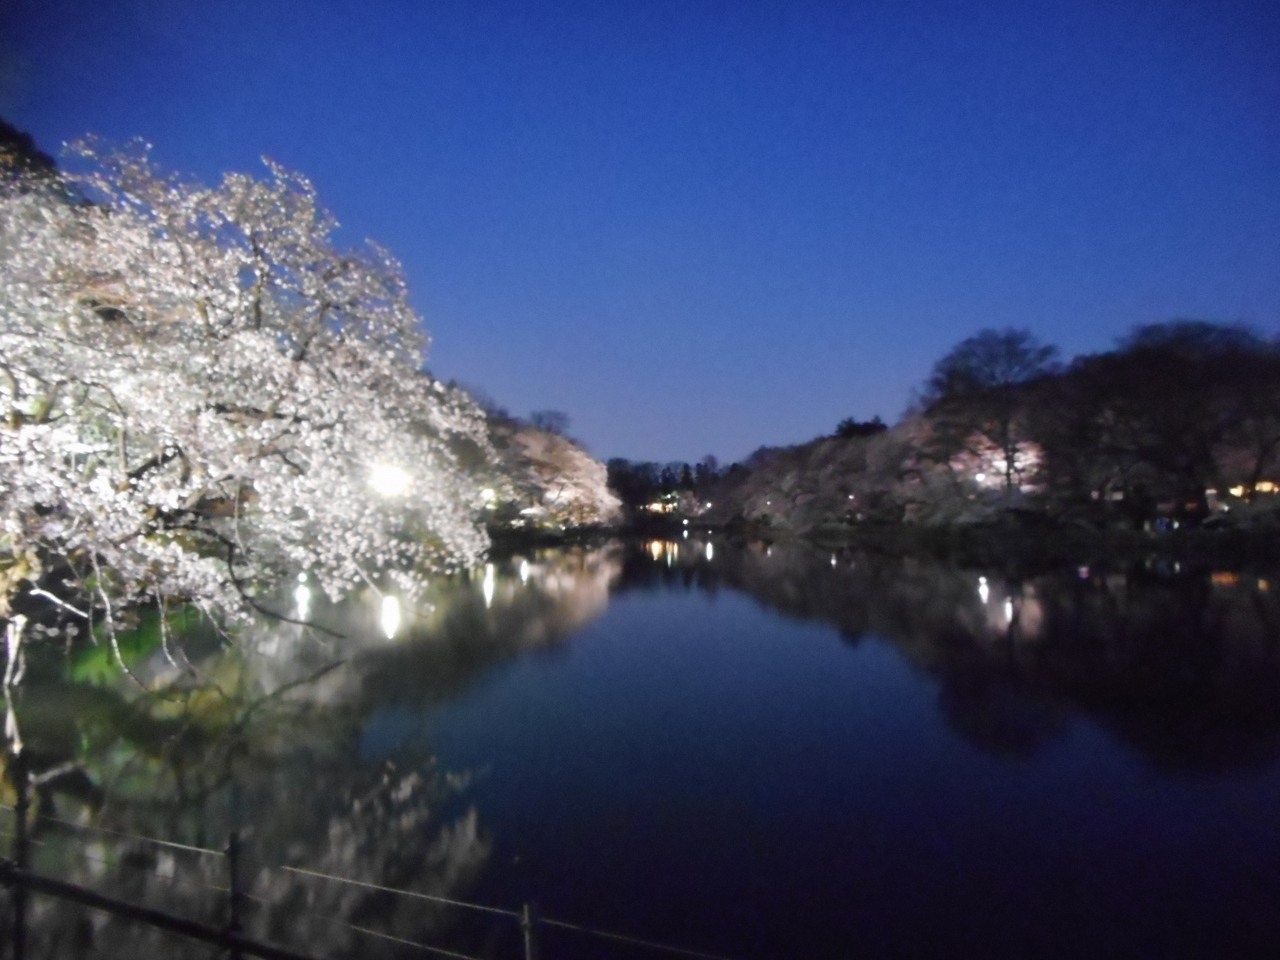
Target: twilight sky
697 228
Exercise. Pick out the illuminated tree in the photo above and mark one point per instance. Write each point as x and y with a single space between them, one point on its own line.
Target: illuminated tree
201 392
976 402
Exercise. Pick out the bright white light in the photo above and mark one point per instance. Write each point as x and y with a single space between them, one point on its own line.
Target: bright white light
984 592
833 559
390 615
708 504
686 523
524 571
1008 610
487 494
980 477
686 534
388 480
656 549
302 596
711 551
488 585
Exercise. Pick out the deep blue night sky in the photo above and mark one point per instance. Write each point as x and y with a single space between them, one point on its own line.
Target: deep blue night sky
704 227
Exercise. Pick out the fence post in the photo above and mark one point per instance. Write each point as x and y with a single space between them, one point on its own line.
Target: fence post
236 897
526 925
20 847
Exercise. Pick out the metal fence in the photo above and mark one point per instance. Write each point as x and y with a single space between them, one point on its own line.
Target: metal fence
17 877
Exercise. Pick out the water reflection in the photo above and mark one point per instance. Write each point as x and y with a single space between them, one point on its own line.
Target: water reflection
273 737
389 617
488 586
317 740
1184 665
302 599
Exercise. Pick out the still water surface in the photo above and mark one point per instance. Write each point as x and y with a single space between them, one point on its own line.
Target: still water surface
758 752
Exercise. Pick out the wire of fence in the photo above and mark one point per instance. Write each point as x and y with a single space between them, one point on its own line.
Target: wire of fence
377 934
404 893
122 834
635 941
435 898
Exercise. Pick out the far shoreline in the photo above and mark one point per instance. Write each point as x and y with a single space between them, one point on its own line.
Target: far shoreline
999 543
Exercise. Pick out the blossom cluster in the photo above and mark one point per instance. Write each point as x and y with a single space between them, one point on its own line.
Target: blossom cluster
197 387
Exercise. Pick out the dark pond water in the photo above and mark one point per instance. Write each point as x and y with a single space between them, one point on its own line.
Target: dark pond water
756 752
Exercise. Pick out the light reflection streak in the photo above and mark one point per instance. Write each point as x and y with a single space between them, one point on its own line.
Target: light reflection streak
302 597
488 586
390 615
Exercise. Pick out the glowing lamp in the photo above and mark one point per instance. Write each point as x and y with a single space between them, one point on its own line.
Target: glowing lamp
388 480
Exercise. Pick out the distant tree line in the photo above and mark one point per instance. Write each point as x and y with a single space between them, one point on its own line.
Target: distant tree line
639 483
849 427
1176 409
1175 416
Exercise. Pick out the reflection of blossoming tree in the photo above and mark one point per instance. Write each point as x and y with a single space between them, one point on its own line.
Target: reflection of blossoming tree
1184 667
387 831
275 744
197 387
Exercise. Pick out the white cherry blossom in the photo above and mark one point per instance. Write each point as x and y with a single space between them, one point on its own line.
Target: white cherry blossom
196 387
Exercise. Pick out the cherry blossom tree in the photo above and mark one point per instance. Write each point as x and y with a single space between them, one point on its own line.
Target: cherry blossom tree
201 392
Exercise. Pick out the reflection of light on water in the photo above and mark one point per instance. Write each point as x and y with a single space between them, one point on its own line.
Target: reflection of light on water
390 617
984 592
487 587
656 549
1008 610
833 559
302 596
711 551
686 534
524 571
